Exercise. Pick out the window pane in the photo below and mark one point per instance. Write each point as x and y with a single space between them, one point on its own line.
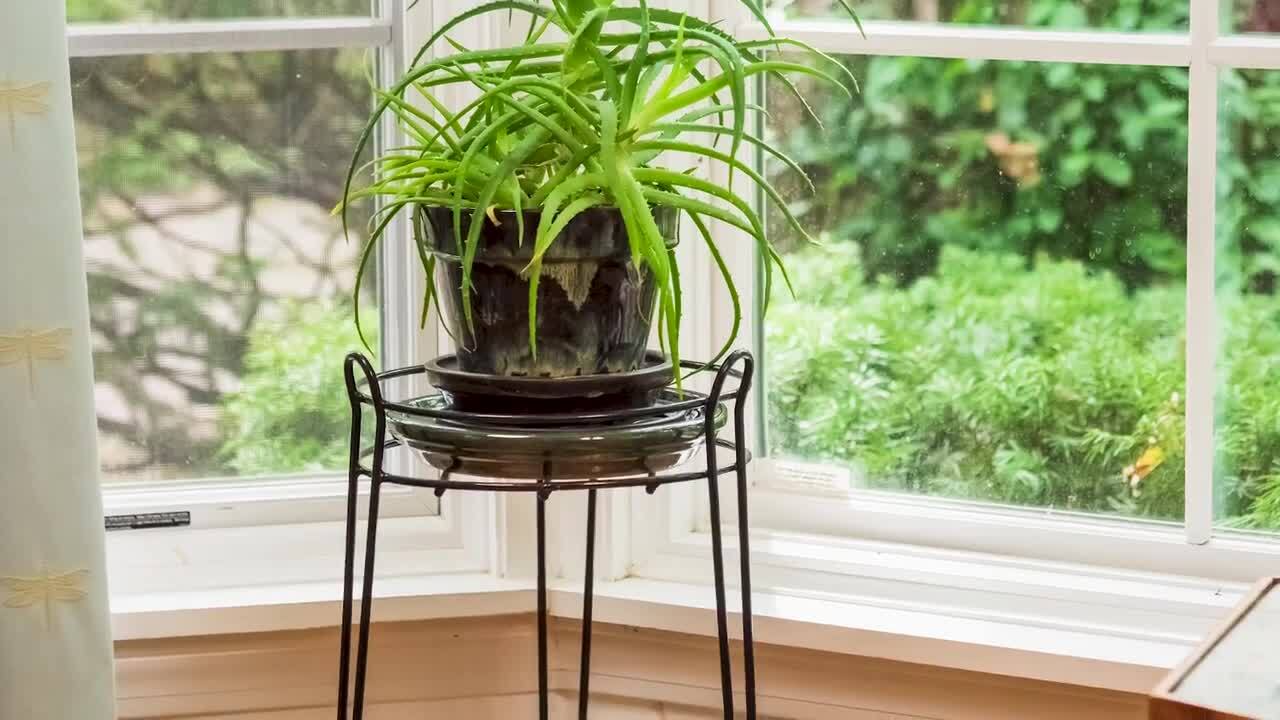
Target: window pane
219 284
1248 267
1127 15
135 10
1256 16
997 312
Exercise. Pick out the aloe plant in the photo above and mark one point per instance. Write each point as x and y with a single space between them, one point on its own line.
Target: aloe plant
604 117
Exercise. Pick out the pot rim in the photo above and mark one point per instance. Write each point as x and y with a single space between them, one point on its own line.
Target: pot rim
549 258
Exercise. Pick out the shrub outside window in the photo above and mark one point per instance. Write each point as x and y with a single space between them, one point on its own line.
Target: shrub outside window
1038 277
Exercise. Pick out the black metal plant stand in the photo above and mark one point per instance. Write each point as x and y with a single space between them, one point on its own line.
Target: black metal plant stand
367 391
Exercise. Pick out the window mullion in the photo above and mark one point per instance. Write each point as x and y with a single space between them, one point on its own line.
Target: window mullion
1201 243
1254 50
950 40
203 36
399 280
401 283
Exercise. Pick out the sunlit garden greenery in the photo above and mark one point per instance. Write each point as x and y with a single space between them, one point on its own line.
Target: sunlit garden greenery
998 313
995 379
291 412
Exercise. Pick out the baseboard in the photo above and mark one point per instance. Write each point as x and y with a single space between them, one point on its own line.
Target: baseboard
481 668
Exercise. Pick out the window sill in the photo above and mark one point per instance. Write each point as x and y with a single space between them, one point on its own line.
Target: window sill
833 625
1018 638
1082 624
211 581
273 608
844 626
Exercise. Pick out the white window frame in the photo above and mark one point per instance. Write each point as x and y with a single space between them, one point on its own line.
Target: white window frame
832 571
294 508
250 500
790 516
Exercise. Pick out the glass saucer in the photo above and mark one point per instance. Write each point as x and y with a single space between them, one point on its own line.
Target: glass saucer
625 447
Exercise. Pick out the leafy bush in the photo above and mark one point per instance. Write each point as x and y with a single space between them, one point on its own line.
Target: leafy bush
1248 422
999 314
291 412
1013 157
1073 160
999 380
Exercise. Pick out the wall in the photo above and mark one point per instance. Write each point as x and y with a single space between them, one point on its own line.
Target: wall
483 668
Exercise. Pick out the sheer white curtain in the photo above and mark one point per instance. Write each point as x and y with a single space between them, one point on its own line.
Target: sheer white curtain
55 639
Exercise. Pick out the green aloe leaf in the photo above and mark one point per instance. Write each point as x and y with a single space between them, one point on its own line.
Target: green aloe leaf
533 9
584 40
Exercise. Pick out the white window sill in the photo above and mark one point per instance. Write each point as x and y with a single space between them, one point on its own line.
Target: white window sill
270 608
210 581
1088 658
1126 656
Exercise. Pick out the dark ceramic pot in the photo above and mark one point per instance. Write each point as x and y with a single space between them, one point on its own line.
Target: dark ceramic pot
594 308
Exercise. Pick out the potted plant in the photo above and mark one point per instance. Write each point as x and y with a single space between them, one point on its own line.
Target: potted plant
545 211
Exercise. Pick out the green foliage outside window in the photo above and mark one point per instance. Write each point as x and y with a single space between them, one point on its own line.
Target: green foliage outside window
291 413
915 164
992 380
998 313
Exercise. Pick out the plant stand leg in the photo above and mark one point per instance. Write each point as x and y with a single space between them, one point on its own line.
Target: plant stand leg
722 614
366 598
744 550
588 591
717 542
348 589
542 606
744 538
349 557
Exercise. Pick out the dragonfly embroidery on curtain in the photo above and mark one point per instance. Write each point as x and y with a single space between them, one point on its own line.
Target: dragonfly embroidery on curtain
29 346
22 99
45 590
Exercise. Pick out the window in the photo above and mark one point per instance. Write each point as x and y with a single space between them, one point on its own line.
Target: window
1249 16
162 10
1247 484
996 314
1046 260
1117 15
1043 322
221 286
1047 288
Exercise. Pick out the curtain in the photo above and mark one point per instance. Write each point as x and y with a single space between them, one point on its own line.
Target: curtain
55 639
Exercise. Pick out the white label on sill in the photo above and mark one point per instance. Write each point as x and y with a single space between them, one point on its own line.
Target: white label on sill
809 477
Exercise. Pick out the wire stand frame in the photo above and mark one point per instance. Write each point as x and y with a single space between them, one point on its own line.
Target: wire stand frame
365 389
